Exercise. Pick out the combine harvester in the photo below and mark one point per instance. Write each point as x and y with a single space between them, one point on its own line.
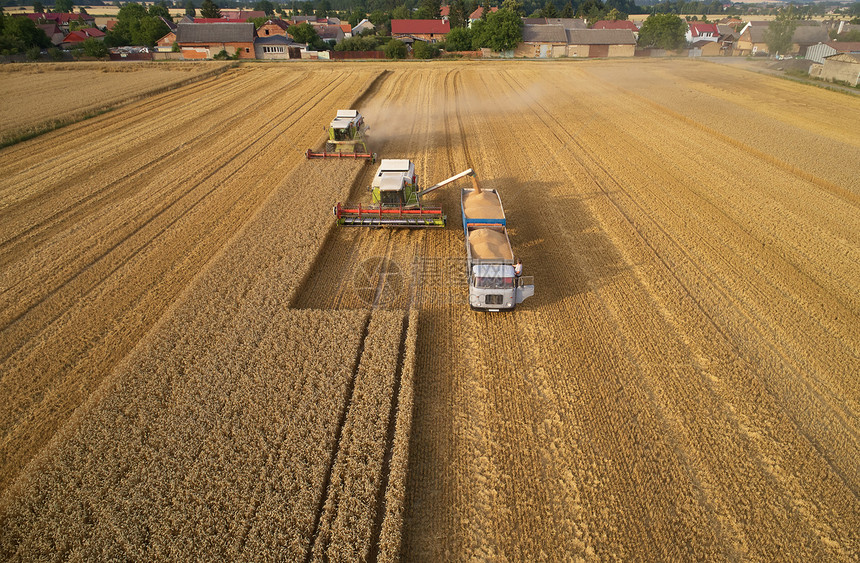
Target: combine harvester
493 283
396 200
345 138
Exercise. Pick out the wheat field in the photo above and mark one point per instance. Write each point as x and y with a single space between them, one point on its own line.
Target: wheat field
197 364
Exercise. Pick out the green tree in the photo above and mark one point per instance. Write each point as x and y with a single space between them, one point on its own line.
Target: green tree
189 8
400 13
160 10
135 26
549 10
853 35
424 50
323 8
429 10
615 15
94 48
38 7
63 6
780 31
265 6
395 49
55 54
485 10
502 31
457 15
305 33
663 31
567 12
459 39
17 34
208 9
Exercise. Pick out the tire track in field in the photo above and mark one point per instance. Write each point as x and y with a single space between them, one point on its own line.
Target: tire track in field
94 199
668 269
17 341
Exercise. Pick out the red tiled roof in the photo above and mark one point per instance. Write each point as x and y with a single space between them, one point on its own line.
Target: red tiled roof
110 24
476 15
82 35
697 29
346 28
616 24
446 11
419 26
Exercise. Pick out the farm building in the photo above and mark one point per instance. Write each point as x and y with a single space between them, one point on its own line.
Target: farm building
706 48
273 26
752 38
843 67
542 41
425 30
61 19
205 40
552 41
600 43
567 23
817 53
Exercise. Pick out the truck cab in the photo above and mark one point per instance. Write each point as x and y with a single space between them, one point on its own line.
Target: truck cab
495 287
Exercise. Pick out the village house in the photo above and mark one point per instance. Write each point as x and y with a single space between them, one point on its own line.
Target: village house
165 43
697 31
53 32
330 32
81 35
423 30
362 26
752 38
272 27
242 14
542 41
479 11
205 40
277 47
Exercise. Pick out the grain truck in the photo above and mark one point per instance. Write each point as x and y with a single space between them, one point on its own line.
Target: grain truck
493 284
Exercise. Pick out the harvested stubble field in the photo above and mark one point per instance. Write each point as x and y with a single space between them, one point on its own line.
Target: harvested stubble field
206 378
37 96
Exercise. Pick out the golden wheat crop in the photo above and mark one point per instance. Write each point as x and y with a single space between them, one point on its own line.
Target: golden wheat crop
38 97
681 386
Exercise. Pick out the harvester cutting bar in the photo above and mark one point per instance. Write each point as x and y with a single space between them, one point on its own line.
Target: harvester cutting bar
376 216
312 154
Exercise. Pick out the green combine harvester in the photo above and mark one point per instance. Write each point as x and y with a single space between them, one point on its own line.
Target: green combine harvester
395 200
346 138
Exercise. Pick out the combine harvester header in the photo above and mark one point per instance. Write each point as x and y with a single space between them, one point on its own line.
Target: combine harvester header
345 137
395 200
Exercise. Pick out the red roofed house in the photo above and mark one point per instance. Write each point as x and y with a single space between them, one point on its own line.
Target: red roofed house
165 43
273 27
347 30
445 12
82 35
479 11
425 30
702 32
